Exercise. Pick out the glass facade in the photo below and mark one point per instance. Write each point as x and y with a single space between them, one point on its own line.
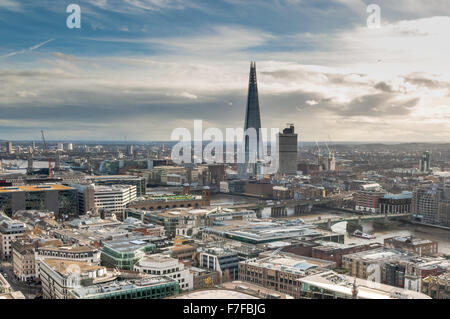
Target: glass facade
5 203
123 260
68 203
145 292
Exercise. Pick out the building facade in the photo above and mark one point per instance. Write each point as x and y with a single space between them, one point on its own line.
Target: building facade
60 199
287 151
162 265
10 230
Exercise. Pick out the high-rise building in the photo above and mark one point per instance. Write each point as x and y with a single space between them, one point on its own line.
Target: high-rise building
30 162
130 150
68 146
424 163
431 205
287 148
252 121
9 147
58 161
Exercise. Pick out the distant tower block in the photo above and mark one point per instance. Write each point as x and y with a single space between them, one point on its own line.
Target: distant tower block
9 147
58 161
425 162
287 151
30 163
129 150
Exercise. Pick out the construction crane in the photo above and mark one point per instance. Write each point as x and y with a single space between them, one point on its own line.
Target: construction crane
46 154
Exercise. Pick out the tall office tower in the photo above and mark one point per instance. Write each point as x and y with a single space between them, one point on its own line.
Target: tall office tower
431 205
328 163
30 161
287 150
9 147
60 147
424 163
34 145
252 120
130 150
68 146
58 161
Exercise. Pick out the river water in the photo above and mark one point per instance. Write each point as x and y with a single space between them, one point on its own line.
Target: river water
396 228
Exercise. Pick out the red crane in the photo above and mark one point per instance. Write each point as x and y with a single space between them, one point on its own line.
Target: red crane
46 154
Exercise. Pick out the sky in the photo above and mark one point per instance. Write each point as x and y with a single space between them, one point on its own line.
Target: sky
138 69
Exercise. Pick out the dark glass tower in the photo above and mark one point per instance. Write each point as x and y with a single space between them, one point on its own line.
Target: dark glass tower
252 120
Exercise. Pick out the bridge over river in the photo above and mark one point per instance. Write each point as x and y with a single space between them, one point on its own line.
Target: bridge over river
278 209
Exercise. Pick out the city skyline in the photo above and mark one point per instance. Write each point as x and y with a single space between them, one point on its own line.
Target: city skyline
142 69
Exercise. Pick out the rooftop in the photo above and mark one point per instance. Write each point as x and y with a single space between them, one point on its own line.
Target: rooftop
215 294
65 267
290 263
34 188
380 254
169 197
128 245
120 285
334 282
264 232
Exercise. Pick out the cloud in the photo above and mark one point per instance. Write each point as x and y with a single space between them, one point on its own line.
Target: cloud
362 84
139 6
23 51
312 102
10 5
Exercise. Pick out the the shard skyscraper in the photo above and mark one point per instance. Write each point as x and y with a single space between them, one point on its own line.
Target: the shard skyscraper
253 147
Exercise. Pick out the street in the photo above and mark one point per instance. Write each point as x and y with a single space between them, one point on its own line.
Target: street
29 291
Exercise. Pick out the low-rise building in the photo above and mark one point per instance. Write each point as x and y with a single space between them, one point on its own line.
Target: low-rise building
223 260
145 288
331 285
12 295
437 287
205 278
415 245
24 265
10 230
59 277
124 253
86 254
334 251
5 287
159 264
368 201
281 271
379 265
174 220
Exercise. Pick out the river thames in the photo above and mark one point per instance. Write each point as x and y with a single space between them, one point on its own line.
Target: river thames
395 228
